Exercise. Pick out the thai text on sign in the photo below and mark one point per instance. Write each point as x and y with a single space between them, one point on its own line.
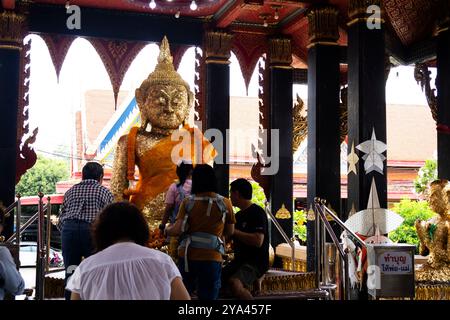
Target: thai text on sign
395 263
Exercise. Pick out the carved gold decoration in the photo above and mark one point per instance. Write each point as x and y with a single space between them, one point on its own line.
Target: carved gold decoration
292 281
283 213
343 114
311 215
12 29
300 124
299 265
280 52
218 46
432 291
422 76
323 26
434 235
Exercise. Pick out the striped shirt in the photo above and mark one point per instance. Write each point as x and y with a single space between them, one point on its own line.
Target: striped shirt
84 201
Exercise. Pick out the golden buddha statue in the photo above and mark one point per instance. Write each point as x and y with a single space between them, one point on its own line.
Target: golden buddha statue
434 235
164 100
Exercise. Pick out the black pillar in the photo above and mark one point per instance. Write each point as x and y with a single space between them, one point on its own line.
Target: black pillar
443 101
323 115
366 99
10 46
218 45
281 119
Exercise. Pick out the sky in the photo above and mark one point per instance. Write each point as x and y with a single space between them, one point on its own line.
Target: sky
53 102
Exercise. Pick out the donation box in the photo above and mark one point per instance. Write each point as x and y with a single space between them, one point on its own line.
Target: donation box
390 270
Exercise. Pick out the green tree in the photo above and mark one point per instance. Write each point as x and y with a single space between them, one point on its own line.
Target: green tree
410 210
300 225
258 195
43 177
427 174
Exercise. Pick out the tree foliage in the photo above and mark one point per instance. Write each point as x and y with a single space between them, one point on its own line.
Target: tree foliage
427 174
300 225
43 177
410 210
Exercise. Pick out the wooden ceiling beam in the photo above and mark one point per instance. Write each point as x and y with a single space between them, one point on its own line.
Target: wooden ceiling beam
225 18
298 22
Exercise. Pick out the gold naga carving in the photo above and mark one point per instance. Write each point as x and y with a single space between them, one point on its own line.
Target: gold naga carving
323 26
300 124
12 30
218 46
434 235
422 76
300 120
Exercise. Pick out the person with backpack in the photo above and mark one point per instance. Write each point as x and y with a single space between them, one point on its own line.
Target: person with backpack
204 219
174 196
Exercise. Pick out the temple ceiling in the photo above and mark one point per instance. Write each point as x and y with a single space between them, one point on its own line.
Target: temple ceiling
407 24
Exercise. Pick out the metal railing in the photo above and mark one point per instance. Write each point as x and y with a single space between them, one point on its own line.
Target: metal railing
43 239
283 234
322 224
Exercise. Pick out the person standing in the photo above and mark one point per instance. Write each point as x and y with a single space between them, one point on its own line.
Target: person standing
10 279
203 220
82 203
250 240
174 196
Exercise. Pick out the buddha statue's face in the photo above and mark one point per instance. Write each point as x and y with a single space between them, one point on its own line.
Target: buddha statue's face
165 106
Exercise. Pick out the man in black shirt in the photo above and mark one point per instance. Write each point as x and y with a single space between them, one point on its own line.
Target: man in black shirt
250 240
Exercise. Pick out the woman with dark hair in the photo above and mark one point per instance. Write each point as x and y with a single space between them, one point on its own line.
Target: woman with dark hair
122 267
203 220
177 192
174 196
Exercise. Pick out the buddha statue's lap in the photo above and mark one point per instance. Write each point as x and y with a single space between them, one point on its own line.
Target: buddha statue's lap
164 101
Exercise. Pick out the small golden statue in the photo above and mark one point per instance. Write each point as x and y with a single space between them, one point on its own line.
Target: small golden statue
164 101
434 235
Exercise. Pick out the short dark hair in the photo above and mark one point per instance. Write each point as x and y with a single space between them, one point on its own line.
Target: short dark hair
183 171
120 220
203 179
92 170
243 187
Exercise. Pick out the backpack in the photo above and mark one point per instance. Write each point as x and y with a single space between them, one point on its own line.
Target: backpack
201 240
181 194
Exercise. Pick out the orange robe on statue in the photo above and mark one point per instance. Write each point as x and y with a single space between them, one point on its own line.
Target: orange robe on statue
157 169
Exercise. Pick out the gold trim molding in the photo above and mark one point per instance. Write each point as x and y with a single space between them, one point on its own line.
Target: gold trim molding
11 30
323 26
218 46
358 8
357 20
280 52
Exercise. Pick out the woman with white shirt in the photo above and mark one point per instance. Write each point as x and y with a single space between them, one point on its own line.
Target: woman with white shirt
122 267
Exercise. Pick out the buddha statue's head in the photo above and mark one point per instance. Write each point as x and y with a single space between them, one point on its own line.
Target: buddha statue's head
164 98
